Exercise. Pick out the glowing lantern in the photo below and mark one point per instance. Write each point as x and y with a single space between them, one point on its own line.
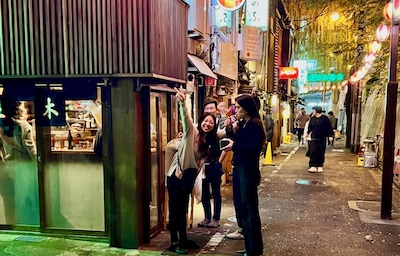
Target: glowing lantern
354 78
274 100
382 32
387 11
391 8
374 47
369 57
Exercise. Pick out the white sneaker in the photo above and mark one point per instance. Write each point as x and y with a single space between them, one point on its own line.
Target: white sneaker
237 235
312 169
320 169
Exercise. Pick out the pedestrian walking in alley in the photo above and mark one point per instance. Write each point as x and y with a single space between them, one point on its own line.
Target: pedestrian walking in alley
197 144
333 121
212 176
319 129
301 121
247 144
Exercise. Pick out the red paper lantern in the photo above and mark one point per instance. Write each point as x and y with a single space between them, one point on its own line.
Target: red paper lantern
390 8
382 32
396 8
369 57
387 11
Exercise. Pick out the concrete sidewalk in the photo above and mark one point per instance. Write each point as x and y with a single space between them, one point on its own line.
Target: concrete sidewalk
336 212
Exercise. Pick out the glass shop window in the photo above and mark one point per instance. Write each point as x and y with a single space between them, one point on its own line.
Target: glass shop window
83 120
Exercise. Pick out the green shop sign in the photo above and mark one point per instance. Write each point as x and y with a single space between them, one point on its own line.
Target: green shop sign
314 77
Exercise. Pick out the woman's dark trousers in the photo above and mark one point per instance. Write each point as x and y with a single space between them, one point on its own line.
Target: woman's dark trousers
236 197
317 152
178 203
251 222
215 183
300 132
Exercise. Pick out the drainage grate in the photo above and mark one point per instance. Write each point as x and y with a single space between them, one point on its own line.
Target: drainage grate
35 239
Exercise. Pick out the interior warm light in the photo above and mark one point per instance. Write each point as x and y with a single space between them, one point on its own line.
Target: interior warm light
375 47
286 113
274 100
382 32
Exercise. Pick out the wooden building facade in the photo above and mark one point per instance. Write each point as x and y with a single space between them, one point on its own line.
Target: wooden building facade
129 52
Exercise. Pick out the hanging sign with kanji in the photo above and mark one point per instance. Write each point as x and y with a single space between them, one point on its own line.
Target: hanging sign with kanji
52 105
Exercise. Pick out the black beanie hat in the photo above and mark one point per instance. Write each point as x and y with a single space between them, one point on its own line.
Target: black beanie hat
317 109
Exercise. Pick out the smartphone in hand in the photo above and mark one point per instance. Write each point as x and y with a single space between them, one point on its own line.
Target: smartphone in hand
223 143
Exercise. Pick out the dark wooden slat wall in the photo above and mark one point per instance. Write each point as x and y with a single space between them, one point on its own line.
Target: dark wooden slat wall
93 37
169 29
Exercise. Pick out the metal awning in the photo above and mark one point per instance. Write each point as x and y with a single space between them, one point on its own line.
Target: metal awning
201 66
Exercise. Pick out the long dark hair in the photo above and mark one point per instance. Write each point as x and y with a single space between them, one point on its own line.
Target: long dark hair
248 103
207 141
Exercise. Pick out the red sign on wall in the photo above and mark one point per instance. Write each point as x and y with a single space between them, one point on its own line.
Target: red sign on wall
210 81
288 73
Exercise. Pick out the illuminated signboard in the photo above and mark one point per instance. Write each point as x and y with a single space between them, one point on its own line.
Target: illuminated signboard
257 13
252 43
231 5
312 77
288 73
223 18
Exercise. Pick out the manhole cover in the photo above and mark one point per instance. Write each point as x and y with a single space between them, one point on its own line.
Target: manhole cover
311 183
36 239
